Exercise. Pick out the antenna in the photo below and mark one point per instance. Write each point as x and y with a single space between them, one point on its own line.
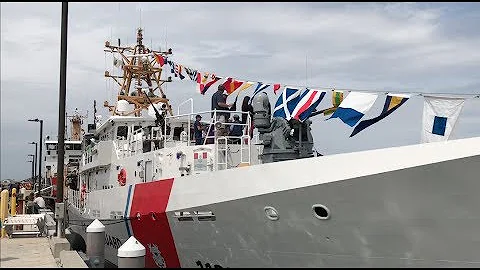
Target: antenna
306 71
95 112
166 47
140 17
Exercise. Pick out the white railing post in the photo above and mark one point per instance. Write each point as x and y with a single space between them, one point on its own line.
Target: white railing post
191 106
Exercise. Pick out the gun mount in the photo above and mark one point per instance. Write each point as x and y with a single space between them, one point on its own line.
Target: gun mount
281 139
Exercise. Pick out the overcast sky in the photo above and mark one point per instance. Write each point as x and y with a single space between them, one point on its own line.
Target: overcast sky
427 47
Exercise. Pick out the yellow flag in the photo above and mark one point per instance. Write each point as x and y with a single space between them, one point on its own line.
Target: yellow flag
244 86
337 98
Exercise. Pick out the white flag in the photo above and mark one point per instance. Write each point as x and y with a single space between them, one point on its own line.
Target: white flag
439 117
354 107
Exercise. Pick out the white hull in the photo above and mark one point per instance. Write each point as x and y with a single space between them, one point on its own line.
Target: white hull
413 206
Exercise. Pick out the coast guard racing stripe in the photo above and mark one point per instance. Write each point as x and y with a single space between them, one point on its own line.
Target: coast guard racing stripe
150 224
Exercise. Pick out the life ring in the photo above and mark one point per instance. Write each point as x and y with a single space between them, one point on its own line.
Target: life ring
122 177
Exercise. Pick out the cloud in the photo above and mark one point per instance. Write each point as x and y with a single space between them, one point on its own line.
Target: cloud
429 47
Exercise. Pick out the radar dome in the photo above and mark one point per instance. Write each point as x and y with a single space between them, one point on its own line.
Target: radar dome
122 107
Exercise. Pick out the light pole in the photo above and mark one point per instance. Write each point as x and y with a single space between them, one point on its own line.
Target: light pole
40 152
61 116
32 161
35 158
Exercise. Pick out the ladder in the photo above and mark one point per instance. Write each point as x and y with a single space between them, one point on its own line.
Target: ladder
245 147
222 150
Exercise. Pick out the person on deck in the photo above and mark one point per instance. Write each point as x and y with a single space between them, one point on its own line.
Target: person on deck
219 102
198 128
247 107
38 203
236 129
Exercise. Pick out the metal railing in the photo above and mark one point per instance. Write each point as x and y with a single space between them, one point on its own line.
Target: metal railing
191 105
77 199
211 124
215 130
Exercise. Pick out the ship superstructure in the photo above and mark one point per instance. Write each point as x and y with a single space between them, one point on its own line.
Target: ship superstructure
72 157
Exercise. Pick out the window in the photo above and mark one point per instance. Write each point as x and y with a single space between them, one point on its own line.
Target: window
68 146
51 146
122 131
77 147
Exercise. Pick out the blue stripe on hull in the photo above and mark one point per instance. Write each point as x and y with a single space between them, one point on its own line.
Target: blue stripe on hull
126 210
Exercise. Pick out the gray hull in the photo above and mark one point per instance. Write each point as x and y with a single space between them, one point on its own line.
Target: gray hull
77 237
407 218
411 206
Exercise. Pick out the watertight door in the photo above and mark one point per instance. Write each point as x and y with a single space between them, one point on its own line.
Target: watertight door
148 171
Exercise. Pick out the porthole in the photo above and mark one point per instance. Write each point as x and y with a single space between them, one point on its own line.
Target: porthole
321 211
271 213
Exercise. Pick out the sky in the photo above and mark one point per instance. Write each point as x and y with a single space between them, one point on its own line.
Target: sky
402 47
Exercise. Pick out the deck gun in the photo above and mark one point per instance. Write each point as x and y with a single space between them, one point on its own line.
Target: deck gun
159 117
281 139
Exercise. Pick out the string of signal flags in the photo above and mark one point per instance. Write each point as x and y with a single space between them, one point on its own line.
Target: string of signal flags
300 102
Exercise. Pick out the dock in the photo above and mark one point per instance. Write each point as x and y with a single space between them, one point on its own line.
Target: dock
28 241
26 252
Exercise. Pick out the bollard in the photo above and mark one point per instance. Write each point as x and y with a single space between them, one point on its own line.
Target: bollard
3 210
13 202
131 254
21 203
96 244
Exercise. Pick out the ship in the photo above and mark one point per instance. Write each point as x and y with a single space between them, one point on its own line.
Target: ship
271 201
72 156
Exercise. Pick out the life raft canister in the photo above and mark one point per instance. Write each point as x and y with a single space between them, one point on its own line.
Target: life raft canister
122 177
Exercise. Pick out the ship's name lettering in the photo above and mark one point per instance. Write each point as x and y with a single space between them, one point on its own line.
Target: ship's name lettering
207 265
112 241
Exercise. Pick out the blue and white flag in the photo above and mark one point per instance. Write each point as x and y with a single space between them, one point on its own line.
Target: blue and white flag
392 102
286 102
307 102
439 117
260 88
354 107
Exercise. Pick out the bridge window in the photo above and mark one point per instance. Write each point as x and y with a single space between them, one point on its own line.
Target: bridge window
122 131
51 146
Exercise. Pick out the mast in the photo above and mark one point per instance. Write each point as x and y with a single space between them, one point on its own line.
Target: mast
76 122
140 72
